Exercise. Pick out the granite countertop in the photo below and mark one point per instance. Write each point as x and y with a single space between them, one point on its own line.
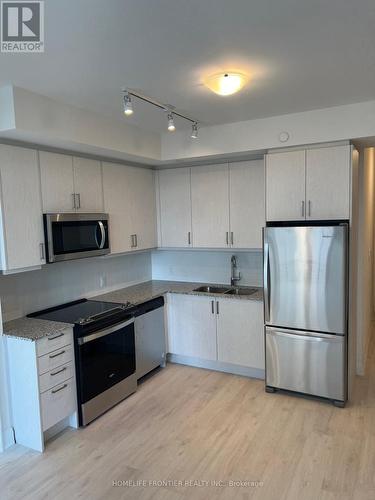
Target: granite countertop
32 328
151 289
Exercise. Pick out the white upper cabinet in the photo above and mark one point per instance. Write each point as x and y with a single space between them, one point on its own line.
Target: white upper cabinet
328 183
285 186
129 199
175 207
210 206
246 193
117 203
88 185
312 184
240 332
22 239
143 207
56 173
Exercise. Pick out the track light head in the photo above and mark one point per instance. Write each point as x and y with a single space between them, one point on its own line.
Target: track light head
128 106
171 125
194 131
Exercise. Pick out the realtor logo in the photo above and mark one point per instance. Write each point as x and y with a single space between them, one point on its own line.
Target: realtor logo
22 26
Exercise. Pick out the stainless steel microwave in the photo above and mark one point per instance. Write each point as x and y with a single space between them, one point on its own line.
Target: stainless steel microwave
75 236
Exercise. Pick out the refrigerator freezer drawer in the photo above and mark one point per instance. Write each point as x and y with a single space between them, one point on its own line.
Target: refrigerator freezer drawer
306 363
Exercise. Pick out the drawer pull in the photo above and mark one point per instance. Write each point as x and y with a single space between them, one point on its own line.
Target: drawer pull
59 371
59 389
58 354
56 336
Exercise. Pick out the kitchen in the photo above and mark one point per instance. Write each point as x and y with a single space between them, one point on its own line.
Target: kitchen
178 288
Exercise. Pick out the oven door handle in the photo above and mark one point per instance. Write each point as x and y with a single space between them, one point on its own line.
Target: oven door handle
106 331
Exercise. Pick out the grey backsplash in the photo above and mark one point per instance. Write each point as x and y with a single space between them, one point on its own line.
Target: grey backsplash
206 266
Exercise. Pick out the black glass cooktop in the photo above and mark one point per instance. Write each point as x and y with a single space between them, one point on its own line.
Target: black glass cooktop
75 312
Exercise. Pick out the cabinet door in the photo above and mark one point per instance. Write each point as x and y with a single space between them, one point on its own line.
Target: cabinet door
88 184
117 203
56 173
246 194
328 183
175 207
240 335
285 186
210 206
143 207
21 209
192 326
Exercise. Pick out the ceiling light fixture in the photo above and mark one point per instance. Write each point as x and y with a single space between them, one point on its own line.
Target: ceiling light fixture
167 108
225 83
171 126
194 131
128 106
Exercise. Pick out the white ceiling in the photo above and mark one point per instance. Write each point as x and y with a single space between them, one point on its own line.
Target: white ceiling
301 54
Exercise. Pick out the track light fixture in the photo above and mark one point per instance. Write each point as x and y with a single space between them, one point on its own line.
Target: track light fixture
170 110
128 106
194 131
171 126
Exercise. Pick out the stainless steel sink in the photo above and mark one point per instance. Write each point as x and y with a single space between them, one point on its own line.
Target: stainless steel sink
212 289
241 291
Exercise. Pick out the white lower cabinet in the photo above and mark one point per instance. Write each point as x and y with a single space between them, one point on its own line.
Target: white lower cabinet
192 326
240 337
42 387
226 331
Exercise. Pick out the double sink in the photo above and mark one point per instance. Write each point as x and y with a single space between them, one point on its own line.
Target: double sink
226 290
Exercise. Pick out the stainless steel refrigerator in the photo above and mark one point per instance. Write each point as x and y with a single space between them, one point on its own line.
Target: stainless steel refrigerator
305 309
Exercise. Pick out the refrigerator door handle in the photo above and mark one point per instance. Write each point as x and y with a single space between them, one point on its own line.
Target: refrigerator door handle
304 335
266 284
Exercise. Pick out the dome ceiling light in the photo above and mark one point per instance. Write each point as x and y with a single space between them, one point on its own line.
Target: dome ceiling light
226 83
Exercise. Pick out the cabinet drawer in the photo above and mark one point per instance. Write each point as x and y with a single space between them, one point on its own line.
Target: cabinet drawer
54 359
58 403
53 342
56 376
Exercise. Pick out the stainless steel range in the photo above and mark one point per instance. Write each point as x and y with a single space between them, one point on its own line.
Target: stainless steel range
104 352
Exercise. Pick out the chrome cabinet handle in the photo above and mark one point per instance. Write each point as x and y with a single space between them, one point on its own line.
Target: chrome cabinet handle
132 241
136 240
227 237
59 371
56 336
42 253
303 208
74 200
232 238
79 200
58 354
189 238
59 389
309 208
217 307
213 306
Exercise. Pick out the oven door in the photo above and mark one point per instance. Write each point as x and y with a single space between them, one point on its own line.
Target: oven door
105 358
74 236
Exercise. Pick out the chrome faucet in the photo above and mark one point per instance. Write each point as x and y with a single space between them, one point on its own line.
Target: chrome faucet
233 267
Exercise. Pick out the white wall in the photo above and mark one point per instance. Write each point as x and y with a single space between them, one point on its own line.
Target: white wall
365 256
61 282
206 266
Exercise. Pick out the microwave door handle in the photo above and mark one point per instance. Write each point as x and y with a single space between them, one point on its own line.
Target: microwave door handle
102 230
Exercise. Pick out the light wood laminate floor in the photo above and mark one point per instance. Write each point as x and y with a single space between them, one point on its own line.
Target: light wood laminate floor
189 424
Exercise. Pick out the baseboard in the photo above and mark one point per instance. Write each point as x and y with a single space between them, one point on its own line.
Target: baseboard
245 371
8 439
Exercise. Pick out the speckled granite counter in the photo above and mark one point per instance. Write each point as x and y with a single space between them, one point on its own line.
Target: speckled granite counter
32 328
150 289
